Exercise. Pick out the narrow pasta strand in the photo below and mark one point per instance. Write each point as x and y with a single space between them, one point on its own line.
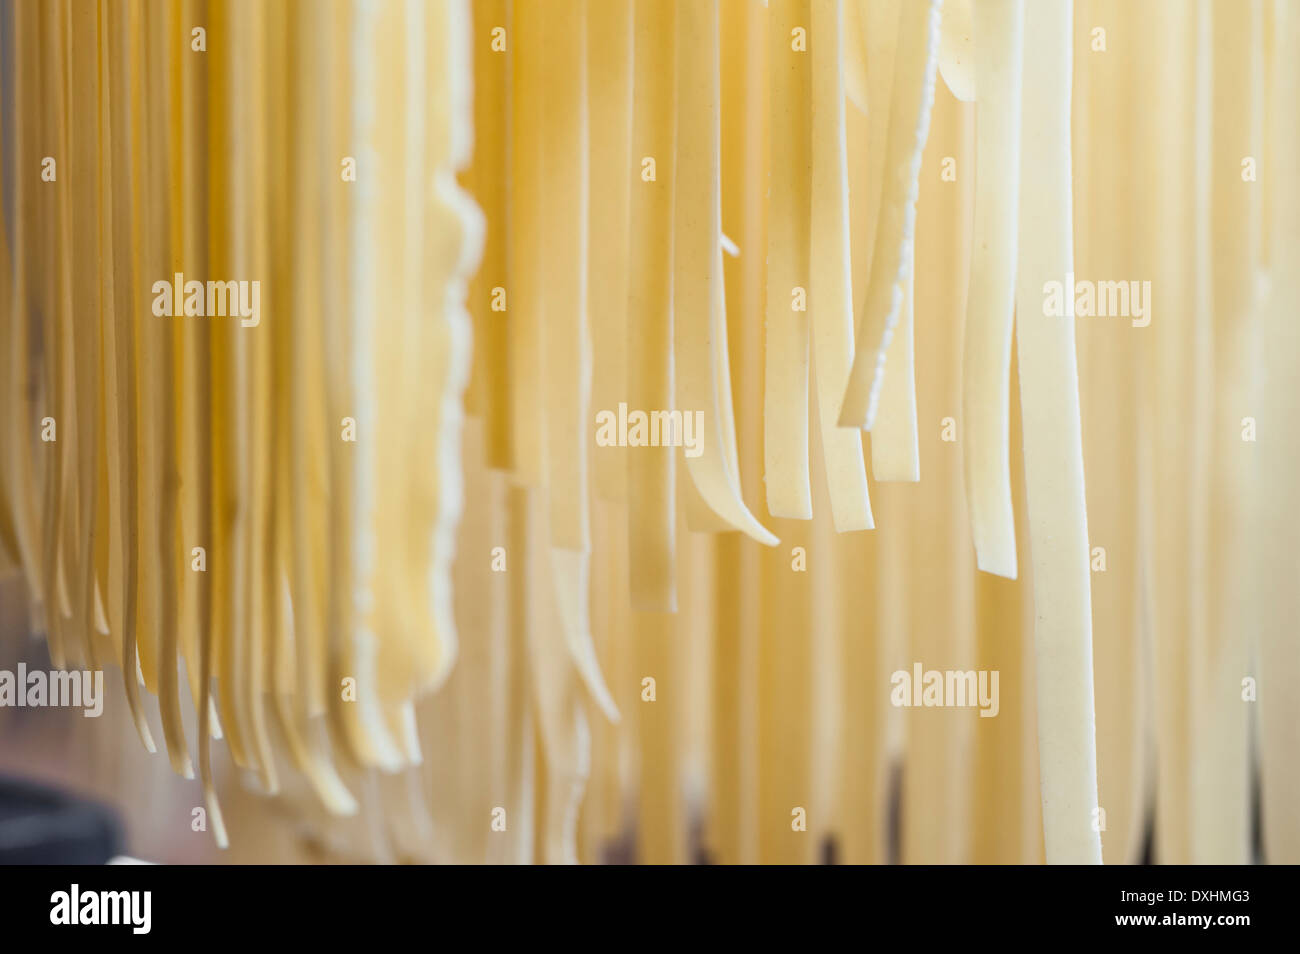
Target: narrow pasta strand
490 388
1279 718
651 511
526 241
1221 772
986 364
699 322
909 125
1053 450
190 250
611 174
785 378
831 274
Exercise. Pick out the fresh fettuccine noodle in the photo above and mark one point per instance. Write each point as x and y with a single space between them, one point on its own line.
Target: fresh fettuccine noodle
394 388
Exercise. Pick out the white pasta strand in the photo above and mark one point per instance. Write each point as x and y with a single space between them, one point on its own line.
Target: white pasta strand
909 124
1053 449
986 365
702 382
1279 718
831 274
542 214
785 377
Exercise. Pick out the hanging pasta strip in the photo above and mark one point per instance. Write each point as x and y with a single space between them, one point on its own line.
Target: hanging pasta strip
106 543
335 75
1221 761
1053 450
457 221
732 794
525 242
611 175
10 552
163 465
699 322
102 489
375 127
567 376
651 493
396 341
1166 98
84 322
295 675
491 124
881 24
785 377
228 550
59 527
894 451
190 253
909 125
250 33
1200 400
53 229
23 377
946 601
487 51
1279 708
831 270
568 373
143 360
291 603
987 357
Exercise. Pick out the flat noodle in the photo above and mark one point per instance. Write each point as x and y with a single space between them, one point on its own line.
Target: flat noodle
145 234
732 796
526 241
699 322
455 220
909 125
375 128
254 353
894 454
1201 405
339 234
84 320
299 509
831 283
1053 449
1167 100
228 549
190 252
115 277
492 103
1221 761
51 301
23 376
567 375
1279 715
987 360
612 174
651 494
785 377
